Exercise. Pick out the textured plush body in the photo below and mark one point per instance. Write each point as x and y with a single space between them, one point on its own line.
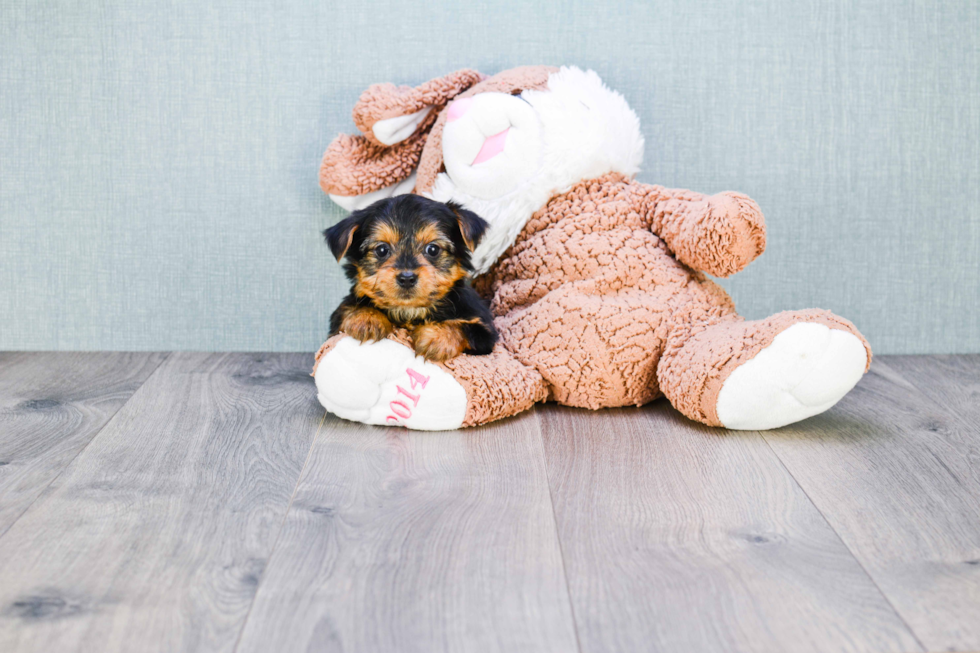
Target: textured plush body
599 289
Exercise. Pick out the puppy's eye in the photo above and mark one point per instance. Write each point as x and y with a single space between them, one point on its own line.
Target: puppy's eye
382 251
432 250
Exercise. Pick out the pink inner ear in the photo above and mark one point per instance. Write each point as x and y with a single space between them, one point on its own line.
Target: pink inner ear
493 146
458 108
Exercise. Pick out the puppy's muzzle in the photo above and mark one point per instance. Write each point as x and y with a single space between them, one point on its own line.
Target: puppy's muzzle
407 279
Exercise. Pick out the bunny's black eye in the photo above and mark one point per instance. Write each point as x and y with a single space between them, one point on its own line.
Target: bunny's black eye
432 250
382 251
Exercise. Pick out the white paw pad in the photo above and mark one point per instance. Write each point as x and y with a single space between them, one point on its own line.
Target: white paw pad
805 370
386 383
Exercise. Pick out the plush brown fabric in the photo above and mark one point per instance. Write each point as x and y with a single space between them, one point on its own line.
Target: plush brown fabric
700 357
382 101
719 235
592 296
588 295
353 165
602 300
497 385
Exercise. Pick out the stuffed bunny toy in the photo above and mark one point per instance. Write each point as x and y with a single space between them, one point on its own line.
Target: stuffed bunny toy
596 282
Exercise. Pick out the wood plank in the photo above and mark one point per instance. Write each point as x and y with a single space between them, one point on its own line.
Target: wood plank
953 382
679 537
896 475
414 541
51 406
156 535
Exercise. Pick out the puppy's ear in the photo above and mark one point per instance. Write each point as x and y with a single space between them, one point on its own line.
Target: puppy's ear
471 226
341 235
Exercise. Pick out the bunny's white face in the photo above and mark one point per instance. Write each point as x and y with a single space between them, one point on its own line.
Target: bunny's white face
507 155
492 144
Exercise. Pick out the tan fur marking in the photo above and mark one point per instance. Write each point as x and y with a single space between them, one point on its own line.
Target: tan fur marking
366 285
365 324
350 239
434 283
430 233
382 288
470 245
440 341
386 232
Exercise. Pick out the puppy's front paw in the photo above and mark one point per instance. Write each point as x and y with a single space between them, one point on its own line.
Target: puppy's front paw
438 342
366 324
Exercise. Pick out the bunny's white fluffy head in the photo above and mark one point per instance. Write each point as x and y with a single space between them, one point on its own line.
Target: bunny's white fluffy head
507 155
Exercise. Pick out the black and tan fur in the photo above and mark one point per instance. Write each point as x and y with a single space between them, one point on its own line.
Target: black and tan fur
409 258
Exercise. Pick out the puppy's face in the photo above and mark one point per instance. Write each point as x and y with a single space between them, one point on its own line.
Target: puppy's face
406 263
406 252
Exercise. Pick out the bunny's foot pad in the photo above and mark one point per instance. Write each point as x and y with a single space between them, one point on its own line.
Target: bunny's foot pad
805 370
385 383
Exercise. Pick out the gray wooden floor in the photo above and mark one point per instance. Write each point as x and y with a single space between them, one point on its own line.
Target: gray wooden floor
204 502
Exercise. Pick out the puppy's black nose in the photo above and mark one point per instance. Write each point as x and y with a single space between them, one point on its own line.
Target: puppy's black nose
407 279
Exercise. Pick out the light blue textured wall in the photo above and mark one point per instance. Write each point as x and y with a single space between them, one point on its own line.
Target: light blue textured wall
158 160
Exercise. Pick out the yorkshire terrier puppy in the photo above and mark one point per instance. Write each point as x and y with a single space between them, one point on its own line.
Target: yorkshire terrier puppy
409 258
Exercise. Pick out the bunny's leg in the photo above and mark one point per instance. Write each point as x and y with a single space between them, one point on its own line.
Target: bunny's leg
762 374
386 383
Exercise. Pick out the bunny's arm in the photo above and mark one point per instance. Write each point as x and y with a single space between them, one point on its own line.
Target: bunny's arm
718 234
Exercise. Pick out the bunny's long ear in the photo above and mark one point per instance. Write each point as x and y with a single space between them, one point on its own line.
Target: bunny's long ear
355 172
394 121
387 114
